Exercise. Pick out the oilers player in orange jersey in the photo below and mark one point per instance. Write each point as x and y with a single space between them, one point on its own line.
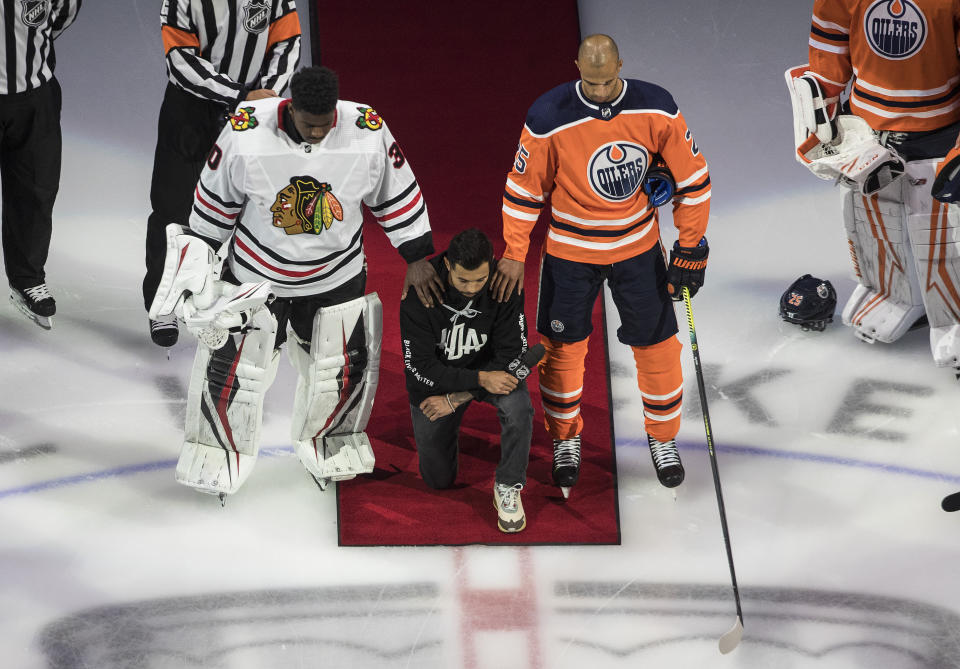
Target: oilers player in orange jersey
593 146
878 107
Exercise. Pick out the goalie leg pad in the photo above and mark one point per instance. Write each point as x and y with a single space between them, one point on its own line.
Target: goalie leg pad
935 239
189 267
336 387
887 301
225 408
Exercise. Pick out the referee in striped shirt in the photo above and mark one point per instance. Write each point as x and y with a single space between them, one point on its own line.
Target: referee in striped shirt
30 145
218 54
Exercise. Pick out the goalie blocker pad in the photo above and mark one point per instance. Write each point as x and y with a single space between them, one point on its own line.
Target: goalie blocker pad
225 408
336 387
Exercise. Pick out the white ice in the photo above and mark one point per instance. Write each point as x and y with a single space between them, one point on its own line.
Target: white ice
833 454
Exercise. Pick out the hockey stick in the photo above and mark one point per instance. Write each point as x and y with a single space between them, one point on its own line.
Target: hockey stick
729 640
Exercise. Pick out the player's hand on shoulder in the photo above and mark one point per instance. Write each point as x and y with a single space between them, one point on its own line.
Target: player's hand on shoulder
507 277
422 276
260 94
687 268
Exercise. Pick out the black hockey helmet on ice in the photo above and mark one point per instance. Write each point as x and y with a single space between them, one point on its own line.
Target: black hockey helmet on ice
809 302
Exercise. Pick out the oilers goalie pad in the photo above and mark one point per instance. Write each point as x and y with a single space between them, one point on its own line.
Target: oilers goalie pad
225 408
335 389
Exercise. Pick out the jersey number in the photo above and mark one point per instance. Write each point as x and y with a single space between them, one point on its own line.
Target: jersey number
521 163
397 155
694 149
213 159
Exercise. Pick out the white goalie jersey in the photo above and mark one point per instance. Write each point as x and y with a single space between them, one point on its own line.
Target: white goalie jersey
292 210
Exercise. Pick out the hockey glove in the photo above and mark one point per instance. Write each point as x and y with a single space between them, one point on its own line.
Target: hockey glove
946 187
687 267
658 184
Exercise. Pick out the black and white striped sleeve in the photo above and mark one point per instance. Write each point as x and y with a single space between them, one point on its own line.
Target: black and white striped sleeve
63 13
186 65
398 204
283 47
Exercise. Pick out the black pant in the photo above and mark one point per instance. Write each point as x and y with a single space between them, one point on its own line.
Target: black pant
30 150
186 131
437 441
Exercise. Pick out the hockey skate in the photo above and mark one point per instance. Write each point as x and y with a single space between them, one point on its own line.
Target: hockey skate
566 463
35 303
666 459
506 500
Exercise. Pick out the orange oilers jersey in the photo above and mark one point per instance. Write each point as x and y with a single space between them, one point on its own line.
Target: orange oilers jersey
591 160
901 55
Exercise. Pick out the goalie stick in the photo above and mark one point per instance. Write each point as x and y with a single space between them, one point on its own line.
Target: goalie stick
951 502
729 640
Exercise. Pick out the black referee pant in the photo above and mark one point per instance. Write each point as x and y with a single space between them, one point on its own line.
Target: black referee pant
30 150
186 131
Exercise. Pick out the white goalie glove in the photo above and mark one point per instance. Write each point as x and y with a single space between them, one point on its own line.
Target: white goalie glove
837 147
190 288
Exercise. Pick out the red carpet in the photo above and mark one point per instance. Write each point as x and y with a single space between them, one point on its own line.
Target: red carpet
454 83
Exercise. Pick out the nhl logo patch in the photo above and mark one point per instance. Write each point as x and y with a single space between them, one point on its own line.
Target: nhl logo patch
34 12
256 16
895 29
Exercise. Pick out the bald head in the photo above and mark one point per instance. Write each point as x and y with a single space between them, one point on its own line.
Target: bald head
596 50
598 60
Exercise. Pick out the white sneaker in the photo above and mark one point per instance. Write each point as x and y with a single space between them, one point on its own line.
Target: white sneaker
506 499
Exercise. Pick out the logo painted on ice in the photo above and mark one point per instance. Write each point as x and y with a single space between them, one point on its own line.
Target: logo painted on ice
616 170
256 16
34 12
895 29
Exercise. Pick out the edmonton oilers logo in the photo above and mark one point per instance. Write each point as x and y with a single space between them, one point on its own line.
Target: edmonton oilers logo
895 29
616 170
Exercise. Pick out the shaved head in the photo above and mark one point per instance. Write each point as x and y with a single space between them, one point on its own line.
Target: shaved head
598 60
596 50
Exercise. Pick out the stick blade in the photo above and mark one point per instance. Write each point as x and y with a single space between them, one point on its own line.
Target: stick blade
731 639
951 502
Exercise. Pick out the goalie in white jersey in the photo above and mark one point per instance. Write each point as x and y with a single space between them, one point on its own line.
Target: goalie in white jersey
282 196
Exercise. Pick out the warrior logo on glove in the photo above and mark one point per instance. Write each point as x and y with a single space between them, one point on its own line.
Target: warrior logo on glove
687 268
306 205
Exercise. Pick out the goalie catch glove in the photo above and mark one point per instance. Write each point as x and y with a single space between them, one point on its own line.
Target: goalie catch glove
687 267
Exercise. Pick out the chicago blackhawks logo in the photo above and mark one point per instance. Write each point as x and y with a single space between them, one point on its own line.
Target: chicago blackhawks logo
895 29
34 12
306 205
243 119
616 170
256 16
370 120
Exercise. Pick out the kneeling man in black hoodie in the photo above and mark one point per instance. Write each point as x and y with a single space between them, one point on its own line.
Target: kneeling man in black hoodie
459 351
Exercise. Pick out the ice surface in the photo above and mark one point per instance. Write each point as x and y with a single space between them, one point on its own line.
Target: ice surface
834 454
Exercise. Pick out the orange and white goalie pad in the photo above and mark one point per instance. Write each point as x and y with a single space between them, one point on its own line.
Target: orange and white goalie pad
335 389
905 248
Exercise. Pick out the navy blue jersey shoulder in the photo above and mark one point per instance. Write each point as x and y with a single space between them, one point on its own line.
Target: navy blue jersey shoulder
562 105
555 108
644 95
